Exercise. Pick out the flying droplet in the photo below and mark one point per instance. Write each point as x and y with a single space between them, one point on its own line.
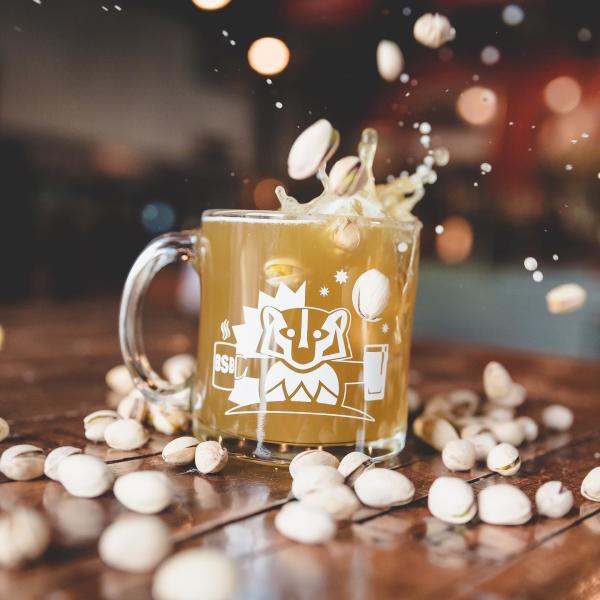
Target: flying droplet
485 167
530 263
439 229
278 104
538 276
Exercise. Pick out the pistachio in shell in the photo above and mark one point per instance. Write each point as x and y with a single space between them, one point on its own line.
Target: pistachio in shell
435 431
312 148
347 176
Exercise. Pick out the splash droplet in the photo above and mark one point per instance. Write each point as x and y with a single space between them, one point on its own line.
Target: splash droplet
538 276
530 263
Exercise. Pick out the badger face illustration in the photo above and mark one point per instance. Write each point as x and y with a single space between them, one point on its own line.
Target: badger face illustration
304 338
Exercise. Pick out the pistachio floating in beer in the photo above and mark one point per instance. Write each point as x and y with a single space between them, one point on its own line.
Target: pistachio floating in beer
167 418
24 536
126 434
565 298
382 488
146 492
339 501
283 270
347 176
179 368
451 500
310 458
434 431
4 429
504 504
95 424
85 476
346 234
313 478
133 406
459 455
193 574
553 499
433 30
529 427
497 381
504 459
370 294
508 431
180 451
557 417
55 457
312 148
118 379
210 457
135 543
305 524
590 486
390 61
22 462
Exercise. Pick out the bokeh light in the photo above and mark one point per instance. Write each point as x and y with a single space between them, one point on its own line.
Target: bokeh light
264 194
513 15
490 55
454 245
477 105
562 94
211 4
158 217
268 56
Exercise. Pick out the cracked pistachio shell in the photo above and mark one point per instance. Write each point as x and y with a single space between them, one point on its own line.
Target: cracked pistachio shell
85 476
179 368
371 294
4 429
210 457
118 379
310 458
508 431
339 501
565 298
167 419
557 417
352 461
463 403
24 536
346 234
459 455
305 524
125 434
451 500
433 30
283 270
347 176
590 486
529 427
133 406
390 61
180 451
381 488
504 459
553 499
197 573
146 492
434 431
55 457
22 462
95 424
496 381
504 504
483 443
515 396
315 477
135 543
493 412
312 148
438 406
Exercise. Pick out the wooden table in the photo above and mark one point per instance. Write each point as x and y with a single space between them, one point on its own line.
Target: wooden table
51 374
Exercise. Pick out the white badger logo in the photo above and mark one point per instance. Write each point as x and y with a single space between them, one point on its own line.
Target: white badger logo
304 339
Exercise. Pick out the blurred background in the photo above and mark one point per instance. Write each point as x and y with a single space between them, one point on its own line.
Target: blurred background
119 122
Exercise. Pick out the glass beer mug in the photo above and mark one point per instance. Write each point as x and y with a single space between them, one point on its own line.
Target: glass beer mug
304 331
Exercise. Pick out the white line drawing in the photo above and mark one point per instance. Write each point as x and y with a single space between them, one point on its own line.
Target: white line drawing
225 331
324 291
341 276
385 328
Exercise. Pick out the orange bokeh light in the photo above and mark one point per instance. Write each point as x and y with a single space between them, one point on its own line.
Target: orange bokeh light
454 245
562 94
264 194
268 56
211 4
477 105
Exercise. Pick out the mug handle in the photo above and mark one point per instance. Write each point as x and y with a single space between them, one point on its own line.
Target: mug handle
166 249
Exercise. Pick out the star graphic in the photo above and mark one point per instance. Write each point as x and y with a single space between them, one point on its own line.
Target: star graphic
324 291
385 328
341 276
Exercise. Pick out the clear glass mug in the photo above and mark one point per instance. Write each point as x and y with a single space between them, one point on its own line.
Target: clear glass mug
304 331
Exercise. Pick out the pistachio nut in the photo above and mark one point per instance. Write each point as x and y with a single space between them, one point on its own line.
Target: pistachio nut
483 442
315 477
146 492
495 412
565 298
135 543
351 461
305 524
458 455
553 499
126 434
433 30
339 501
590 486
283 270
434 431
557 417
55 457
85 476
22 462
346 234
414 400
168 419
310 458
347 176
515 396
529 427
508 431
180 451
24 536
312 148
463 403
382 488
179 368
438 406
504 459
503 504
371 294
390 61
119 380
210 457
95 424
195 573
4 429
496 381
451 500
133 406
